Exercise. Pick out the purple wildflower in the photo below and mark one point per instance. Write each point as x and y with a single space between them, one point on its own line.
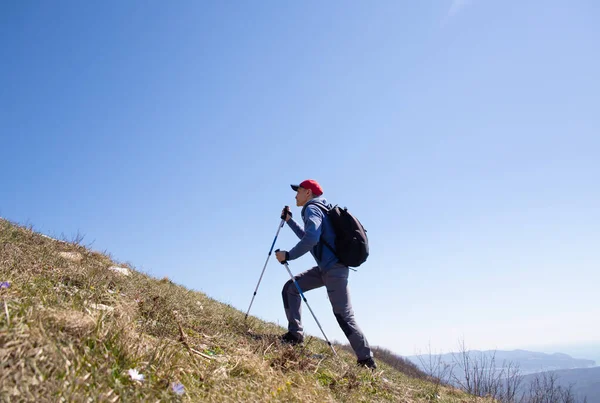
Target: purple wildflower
178 388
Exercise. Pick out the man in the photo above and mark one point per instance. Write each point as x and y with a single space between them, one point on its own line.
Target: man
329 272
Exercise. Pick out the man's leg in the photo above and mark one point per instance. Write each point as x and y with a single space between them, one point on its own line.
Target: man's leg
336 280
307 280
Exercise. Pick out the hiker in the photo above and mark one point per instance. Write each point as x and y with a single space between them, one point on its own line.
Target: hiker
329 272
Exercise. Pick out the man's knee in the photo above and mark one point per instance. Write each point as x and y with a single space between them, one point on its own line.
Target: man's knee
287 287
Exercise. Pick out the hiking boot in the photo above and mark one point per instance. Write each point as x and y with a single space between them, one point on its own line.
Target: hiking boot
367 363
292 339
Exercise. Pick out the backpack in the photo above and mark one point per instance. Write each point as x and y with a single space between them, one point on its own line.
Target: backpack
351 243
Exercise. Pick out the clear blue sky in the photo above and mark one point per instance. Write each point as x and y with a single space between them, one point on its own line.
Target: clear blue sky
464 135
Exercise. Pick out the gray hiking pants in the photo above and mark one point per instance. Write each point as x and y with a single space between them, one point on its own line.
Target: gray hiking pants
336 282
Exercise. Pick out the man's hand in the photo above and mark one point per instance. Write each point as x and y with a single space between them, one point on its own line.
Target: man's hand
286 214
281 255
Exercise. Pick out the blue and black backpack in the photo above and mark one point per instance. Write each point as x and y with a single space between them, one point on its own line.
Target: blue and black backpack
351 242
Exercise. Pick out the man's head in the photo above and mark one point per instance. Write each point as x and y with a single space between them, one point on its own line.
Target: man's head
307 190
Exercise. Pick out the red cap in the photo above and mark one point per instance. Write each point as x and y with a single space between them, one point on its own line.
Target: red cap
309 184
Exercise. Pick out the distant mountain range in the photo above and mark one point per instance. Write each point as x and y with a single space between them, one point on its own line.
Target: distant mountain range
588 350
529 361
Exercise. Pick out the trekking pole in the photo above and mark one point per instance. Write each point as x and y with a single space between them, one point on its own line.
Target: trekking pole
306 302
265 266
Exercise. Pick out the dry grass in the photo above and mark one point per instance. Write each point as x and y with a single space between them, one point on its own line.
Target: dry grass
70 330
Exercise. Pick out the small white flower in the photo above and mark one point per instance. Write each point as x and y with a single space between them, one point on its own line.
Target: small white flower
135 375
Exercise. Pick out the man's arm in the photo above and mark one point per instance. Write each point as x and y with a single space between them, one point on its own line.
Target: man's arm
296 228
310 235
286 215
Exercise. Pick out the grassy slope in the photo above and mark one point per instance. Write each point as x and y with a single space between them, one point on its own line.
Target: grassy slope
57 343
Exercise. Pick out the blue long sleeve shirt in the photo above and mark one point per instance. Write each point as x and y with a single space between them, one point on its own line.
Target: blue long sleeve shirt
316 224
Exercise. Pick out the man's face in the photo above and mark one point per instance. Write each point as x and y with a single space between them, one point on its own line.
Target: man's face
302 196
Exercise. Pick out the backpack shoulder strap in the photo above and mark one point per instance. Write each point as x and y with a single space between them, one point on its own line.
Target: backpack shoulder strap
325 210
322 206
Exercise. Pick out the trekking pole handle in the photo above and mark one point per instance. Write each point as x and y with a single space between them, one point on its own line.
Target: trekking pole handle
286 256
286 211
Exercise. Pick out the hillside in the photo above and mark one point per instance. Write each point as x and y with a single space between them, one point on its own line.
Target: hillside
77 326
